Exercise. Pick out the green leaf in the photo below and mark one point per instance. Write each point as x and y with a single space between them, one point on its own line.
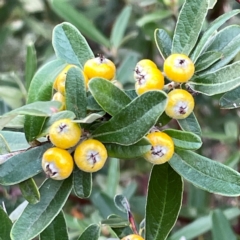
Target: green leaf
82 183
164 200
41 90
163 119
70 14
18 211
206 60
231 129
230 99
57 230
205 173
189 25
113 177
35 218
212 4
190 124
163 42
91 117
31 64
70 45
16 122
22 166
131 124
7 93
76 98
184 140
15 140
221 228
131 151
91 233
204 41
201 225
30 191
92 105
115 221
120 26
220 81
5 226
4 147
56 116
122 203
108 96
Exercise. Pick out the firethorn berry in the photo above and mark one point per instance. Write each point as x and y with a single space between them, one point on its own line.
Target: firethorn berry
90 155
64 133
178 68
60 98
162 148
100 67
151 79
180 104
142 65
133 237
57 163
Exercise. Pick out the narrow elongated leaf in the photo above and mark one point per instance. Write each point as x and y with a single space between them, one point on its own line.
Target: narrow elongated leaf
108 96
230 99
206 60
190 124
41 90
5 226
22 166
36 218
164 42
57 230
202 225
115 221
221 228
31 64
15 214
72 15
220 81
113 177
16 122
131 124
164 201
120 27
76 97
205 173
189 25
91 233
30 191
122 203
210 31
70 45
184 140
131 151
212 4
91 117
4 147
82 183
227 41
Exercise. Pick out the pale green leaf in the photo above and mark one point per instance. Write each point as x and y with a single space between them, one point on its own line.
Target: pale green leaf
230 99
5 226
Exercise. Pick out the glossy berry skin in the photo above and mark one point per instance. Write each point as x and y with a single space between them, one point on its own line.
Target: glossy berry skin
162 148
60 98
180 104
149 79
57 163
178 68
133 237
64 133
146 63
90 155
100 67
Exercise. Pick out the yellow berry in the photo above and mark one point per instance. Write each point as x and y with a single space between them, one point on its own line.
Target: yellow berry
64 133
178 68
60 98
100 67
57 163
180 104
142 66
151 79
90 155
133 237
162 148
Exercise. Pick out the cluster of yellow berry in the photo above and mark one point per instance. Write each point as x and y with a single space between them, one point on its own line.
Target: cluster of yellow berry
180 103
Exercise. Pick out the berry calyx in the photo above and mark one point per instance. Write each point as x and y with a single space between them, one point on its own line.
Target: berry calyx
149 79
57 163
64 133
178 68
133 237
90 155
180 104
99 67
162 148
